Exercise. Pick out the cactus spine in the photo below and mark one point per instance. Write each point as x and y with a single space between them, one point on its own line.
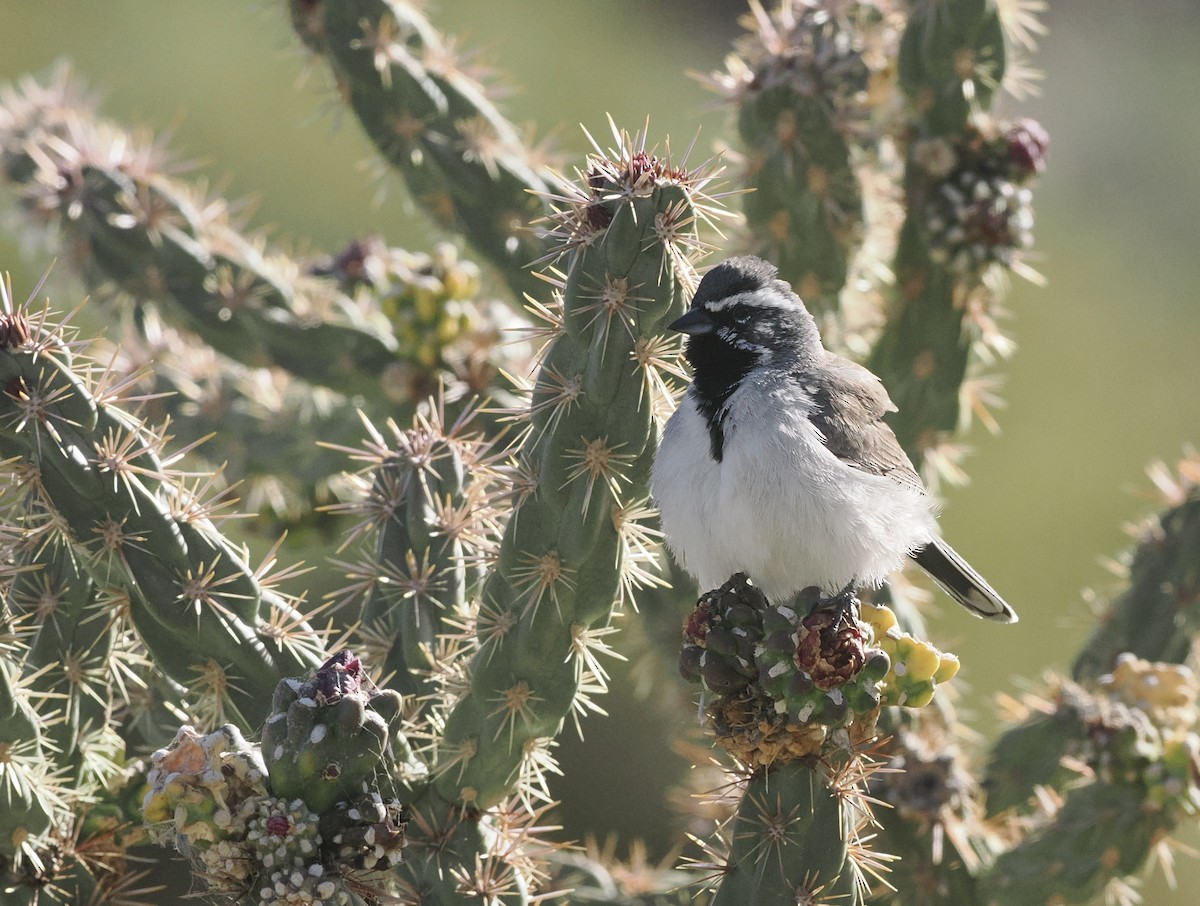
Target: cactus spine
104 537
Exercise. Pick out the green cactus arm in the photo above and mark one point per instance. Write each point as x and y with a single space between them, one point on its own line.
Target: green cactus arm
967 212
799 81
243 422
793 692
586 455
952 60
464 164
130 225
1098 835
1152 618
1119 748
462 856
1156 617
70 658
97 474
791 841
427 502
29 800
1134 756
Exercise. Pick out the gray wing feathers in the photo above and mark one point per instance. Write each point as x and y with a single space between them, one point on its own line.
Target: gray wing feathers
850 403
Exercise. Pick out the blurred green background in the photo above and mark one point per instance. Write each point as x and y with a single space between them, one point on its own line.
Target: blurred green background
1107 375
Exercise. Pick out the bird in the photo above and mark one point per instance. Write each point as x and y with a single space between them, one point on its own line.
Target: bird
778 462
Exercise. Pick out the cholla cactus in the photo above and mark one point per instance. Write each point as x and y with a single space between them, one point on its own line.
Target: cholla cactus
465 164
810 83
312 817
487 548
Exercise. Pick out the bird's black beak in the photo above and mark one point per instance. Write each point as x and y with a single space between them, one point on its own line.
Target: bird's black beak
694 323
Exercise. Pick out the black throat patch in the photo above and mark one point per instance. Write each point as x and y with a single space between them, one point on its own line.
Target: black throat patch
718 371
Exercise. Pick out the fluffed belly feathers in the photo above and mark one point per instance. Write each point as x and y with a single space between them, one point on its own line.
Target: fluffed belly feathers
779 506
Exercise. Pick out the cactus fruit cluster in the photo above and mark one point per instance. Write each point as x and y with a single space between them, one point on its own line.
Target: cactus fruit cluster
310 814
467 440
783 681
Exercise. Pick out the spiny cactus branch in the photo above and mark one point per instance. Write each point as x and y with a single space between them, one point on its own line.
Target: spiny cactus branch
464 163
100 479
128 224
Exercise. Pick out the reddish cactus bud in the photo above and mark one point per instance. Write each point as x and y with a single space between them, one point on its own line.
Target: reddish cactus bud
832 650
1028 143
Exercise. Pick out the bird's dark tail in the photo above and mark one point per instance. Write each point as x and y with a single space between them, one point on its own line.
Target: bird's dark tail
956 577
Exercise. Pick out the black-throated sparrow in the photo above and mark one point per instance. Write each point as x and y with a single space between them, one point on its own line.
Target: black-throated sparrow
778 463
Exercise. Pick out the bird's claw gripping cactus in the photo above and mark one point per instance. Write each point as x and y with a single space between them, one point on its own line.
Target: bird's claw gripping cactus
793 692
781 680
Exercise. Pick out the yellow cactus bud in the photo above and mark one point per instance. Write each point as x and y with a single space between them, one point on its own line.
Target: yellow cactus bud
919 696
923 662
880 618
947 669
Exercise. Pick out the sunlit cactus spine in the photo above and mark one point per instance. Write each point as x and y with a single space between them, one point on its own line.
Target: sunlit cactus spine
28 792
428 514
98 484
464 163
70 650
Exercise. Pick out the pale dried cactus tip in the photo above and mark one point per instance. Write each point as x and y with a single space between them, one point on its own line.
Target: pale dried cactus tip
783 681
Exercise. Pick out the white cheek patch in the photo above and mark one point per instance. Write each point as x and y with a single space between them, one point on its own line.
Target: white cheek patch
729 336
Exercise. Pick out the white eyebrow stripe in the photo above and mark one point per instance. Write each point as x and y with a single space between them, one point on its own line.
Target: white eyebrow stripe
775 299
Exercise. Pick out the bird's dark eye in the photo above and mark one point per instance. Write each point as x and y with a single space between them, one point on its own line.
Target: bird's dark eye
741 318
